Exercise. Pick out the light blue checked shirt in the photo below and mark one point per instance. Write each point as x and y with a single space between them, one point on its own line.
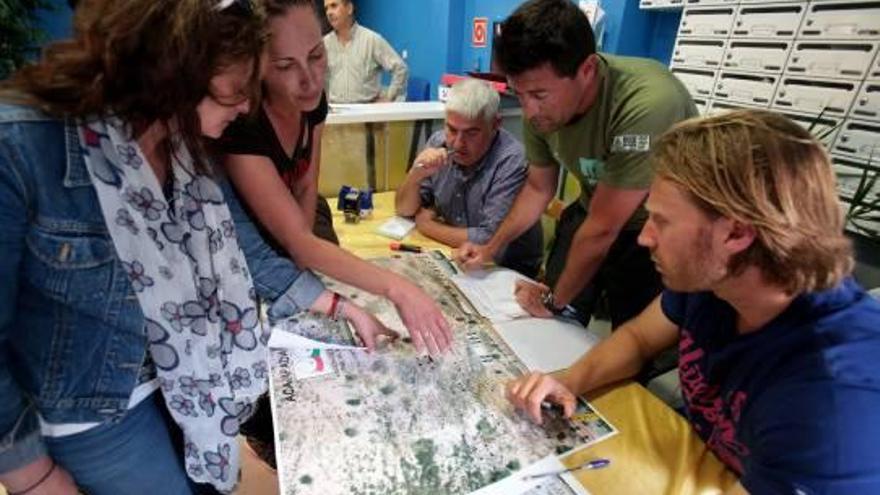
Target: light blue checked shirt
479 197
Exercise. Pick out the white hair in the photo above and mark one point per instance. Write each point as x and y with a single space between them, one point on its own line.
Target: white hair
472 99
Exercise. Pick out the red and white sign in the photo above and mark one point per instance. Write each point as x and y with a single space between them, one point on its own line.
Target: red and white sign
481 26
448 80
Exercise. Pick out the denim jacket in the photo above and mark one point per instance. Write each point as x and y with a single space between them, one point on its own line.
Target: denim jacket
72 335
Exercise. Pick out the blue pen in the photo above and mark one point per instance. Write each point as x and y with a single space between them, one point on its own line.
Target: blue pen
594 464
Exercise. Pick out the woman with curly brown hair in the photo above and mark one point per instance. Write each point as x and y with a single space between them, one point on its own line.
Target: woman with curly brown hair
127 268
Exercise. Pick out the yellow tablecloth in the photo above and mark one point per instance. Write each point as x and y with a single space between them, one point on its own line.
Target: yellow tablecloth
655 452
361 238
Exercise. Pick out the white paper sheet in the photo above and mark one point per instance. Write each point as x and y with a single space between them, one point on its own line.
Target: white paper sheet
546 344
491 293
515 484
396 227
281 339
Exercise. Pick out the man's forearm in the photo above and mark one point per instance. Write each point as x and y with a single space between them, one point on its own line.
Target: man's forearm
526 210
616 358
585 254
624 352
334 261
407 199
447 234
398 81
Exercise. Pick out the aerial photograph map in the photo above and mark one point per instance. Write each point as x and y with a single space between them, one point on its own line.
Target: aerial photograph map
360 423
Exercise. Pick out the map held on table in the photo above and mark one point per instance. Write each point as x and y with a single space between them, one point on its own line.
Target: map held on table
353 422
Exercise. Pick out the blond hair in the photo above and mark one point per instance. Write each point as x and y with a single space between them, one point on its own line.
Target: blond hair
760 168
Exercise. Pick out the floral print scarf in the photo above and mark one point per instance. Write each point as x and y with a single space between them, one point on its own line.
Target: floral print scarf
191 280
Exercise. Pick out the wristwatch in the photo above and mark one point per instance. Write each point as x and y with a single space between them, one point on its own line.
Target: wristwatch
567 311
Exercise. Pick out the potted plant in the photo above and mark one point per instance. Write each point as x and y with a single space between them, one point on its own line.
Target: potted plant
863 214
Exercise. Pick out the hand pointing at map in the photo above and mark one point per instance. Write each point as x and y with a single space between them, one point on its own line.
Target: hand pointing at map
529 392
422 317
367 326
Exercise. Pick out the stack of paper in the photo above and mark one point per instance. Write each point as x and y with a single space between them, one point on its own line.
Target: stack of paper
396 227
544 344
491 293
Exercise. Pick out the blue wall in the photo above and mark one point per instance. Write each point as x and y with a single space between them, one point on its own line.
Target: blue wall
436 34
426 29
495 10
639 33
665 29
56 23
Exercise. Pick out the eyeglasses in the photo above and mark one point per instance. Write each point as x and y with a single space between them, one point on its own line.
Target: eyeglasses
236 6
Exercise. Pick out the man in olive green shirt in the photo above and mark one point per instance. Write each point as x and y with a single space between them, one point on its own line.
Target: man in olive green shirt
596 115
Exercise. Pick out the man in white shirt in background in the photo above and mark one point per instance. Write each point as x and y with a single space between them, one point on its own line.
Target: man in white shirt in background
357 57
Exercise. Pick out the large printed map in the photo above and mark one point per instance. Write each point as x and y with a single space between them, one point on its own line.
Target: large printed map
349 422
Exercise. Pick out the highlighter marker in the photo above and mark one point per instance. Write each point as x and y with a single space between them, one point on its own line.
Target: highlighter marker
399 246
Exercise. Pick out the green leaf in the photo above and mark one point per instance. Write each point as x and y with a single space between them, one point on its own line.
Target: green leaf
822 136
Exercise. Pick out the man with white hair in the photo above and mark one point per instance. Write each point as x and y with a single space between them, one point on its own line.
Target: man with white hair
463 183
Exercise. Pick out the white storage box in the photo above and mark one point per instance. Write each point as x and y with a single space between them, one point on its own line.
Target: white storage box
832 59
660 4
828 96
824 128
695 52
778 20
703 3
859 138
697 81
841 20
867 102
753 89
707 21
849 173
875 68
758 56
702 105
718 107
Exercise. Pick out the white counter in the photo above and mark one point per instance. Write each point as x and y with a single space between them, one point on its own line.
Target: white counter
354 113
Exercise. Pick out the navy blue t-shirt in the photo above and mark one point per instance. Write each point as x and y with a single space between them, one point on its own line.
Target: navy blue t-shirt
793 408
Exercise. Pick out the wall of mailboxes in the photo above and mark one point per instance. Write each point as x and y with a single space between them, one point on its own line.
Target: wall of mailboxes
805 59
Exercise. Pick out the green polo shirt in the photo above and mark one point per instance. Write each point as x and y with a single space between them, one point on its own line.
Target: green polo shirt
639 99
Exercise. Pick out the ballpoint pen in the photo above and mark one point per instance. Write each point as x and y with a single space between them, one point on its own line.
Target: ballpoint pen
594 464
449 154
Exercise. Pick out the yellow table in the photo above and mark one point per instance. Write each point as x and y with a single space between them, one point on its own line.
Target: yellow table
361 238
655 452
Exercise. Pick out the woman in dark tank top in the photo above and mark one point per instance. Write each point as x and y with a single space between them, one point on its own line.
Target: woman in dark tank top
273 162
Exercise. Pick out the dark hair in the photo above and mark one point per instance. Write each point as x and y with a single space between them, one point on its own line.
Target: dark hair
143 61
544 31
